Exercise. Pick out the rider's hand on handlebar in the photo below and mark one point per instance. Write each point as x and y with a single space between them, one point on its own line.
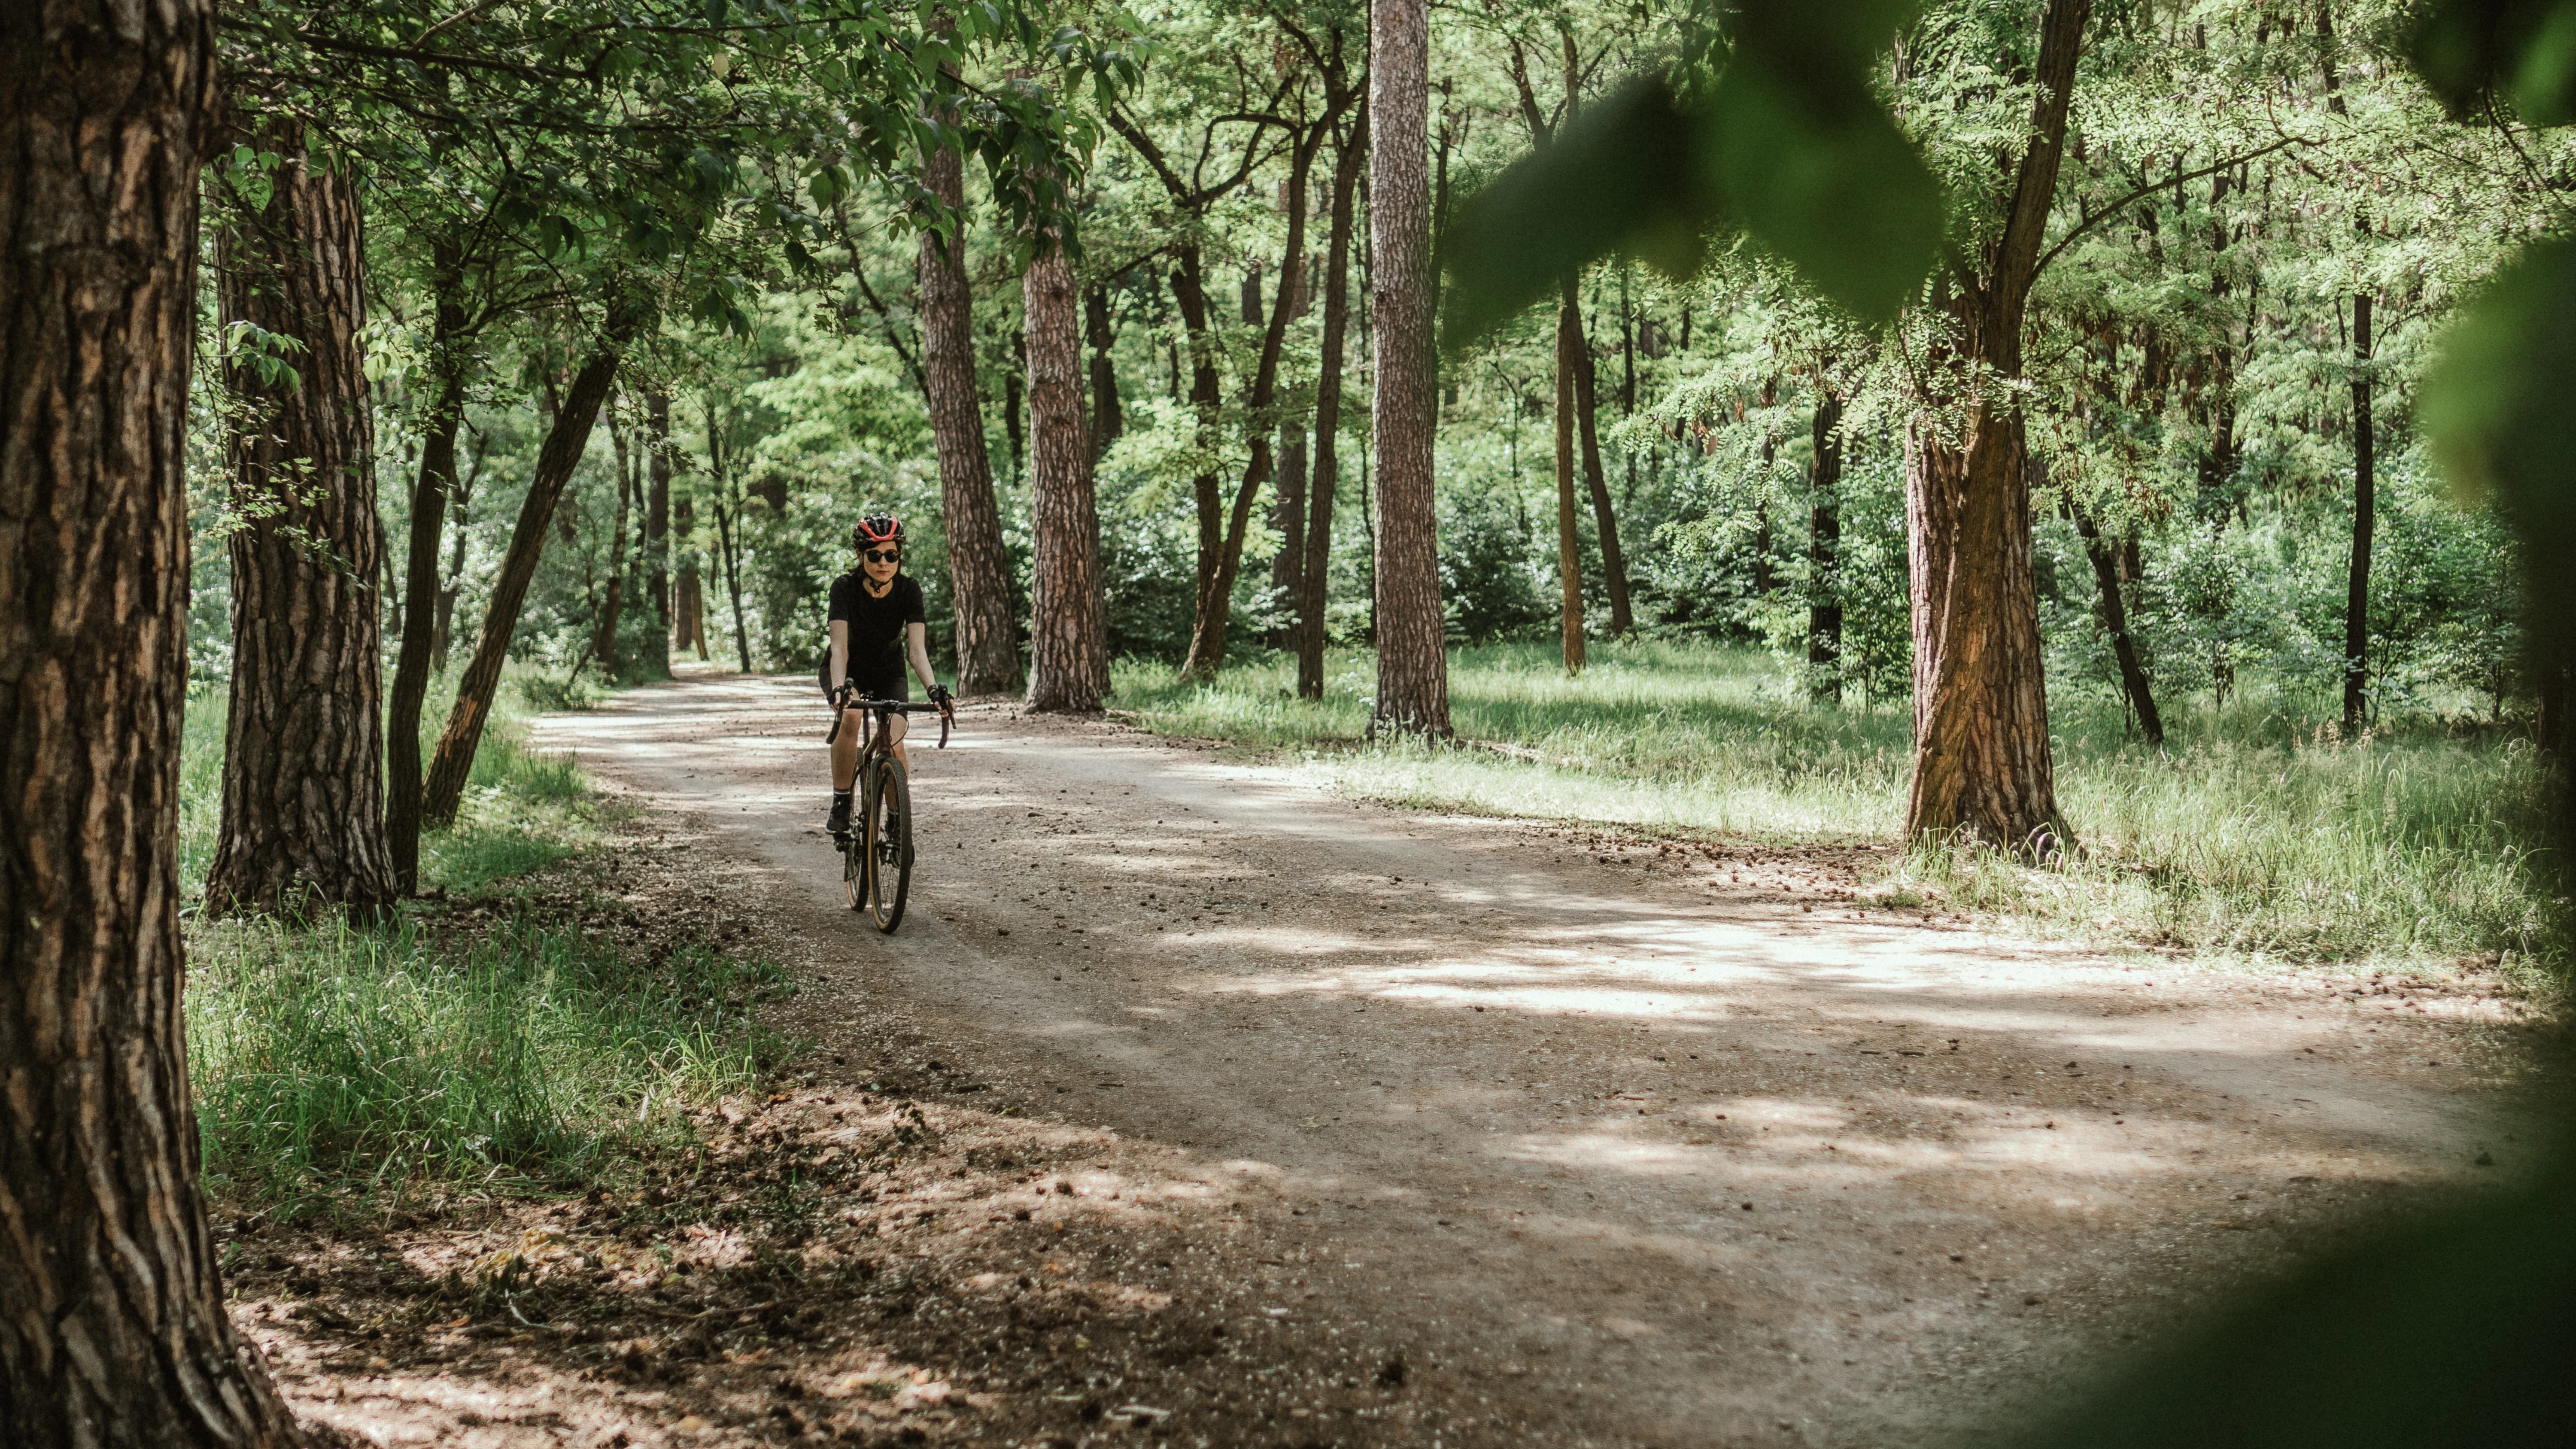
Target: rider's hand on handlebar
940 696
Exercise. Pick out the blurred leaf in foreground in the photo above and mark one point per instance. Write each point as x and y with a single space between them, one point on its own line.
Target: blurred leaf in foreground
1788 146
2523 52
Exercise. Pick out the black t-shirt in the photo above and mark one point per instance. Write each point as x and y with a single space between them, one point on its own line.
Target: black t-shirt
876 632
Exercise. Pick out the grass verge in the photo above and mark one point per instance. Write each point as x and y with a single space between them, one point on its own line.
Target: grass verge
2256 834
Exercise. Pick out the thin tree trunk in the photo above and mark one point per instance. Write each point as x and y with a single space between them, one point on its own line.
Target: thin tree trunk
723 469
1206 397
603 638
1315 577
1288 492
1981 750
424 624
1413 663
113 1333
1108 419
1068 625
303 780
1824 549
565 441
1605 519
657 521
2104 556
2365 506
1569 538
1215 604
979 572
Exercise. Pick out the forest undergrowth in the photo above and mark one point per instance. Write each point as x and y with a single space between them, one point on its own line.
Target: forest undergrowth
515 1030
2258 835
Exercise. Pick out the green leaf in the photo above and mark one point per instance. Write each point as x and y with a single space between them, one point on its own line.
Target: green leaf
2472 52
2494 408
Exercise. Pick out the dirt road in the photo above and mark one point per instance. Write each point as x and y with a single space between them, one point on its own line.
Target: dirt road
1610 1143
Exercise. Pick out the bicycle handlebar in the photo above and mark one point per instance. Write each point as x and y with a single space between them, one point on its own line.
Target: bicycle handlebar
947 715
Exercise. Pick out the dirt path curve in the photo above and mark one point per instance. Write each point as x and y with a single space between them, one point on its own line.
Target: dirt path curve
1623 1150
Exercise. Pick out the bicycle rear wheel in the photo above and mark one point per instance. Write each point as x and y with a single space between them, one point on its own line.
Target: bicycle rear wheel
889 844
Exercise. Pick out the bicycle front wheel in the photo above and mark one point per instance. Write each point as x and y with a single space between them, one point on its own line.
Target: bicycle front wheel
854 874
889 845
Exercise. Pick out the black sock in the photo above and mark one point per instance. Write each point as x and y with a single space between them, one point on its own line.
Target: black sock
841 797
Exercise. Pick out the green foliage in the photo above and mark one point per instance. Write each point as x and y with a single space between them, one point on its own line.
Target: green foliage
1785 142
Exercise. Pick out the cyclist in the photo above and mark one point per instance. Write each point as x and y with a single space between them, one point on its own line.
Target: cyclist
877 628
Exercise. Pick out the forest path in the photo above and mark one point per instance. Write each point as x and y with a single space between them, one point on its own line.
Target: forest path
1613 1148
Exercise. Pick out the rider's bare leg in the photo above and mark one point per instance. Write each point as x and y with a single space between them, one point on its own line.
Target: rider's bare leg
845 748
901 756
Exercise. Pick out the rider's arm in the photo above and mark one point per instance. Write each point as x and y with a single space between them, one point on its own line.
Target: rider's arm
840 651
916 642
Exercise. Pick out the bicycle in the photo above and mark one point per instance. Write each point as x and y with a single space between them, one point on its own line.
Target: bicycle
882 845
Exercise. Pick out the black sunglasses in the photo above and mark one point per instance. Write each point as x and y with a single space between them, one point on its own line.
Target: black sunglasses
883 555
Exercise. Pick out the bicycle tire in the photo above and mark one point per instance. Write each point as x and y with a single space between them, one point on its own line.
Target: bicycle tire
854 878
889 845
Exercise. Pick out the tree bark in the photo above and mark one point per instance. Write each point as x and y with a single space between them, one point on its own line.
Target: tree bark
1214 609
1981 752
424 627
657 520
1569 538
454 760
1605 519
1315 575
1189 292
2365 506
2104 556
112 1325
1413 664
1824 549
1108 419
303 780
1068 625
979 574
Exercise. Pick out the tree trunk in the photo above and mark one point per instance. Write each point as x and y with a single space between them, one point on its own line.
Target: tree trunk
1108 420
303 780
979 572
1569 539
657 521
1981 750
2365 506
1214 609
1413 664
1315 576
424 627
603 637
1068 625
564 443
1824 549
1605 520
2115 618
723 471
1189 291
112 1325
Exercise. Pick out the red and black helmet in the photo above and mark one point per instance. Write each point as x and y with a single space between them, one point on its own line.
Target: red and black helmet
877 529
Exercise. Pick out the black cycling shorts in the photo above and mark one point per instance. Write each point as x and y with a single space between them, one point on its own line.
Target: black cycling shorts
895 686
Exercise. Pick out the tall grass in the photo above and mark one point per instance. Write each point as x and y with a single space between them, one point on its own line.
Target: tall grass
2257 833
330 1057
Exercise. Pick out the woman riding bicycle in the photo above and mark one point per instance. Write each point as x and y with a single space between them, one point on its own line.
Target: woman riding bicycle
877 627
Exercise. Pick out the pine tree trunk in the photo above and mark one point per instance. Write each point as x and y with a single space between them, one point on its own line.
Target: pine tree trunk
112 1326
1413 663
565 441
1824 550
2365 507
979 573
303 780
1569 538
657 523
1315 576
424 628
1068 626
2104 556
1605 519
1981 752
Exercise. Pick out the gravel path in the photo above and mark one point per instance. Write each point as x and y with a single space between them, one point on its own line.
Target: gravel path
1615 1143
